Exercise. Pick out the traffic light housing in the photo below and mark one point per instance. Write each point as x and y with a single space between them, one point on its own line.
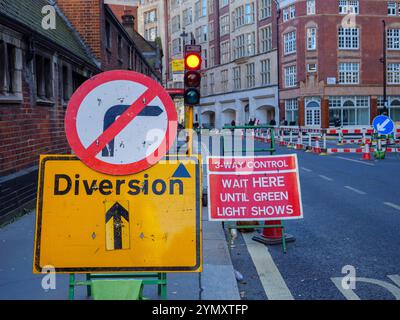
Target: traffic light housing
192 78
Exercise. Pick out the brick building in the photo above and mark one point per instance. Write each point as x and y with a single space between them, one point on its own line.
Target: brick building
330 52
40 67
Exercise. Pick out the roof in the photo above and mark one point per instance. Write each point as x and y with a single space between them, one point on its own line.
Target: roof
29 14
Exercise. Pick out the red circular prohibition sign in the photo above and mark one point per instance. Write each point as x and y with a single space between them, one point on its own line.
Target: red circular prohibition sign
88 155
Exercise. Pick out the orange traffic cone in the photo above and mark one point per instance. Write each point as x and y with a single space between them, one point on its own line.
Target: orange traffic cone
366 154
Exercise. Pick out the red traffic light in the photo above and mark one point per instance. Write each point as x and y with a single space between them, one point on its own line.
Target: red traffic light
192 79
192 61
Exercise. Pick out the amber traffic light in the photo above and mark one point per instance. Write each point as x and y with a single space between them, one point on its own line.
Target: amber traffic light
192 79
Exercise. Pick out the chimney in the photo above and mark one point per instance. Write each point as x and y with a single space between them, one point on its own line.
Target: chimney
128 20
87 17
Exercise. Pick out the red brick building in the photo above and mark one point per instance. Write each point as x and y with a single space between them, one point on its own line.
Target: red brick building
330 52
40 68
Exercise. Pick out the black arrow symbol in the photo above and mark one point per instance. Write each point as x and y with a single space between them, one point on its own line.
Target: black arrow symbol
114 112
117 211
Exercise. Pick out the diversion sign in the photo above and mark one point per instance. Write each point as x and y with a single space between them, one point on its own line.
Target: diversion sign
88 221
254 188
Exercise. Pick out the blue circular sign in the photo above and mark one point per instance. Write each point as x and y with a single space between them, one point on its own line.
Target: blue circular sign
383 125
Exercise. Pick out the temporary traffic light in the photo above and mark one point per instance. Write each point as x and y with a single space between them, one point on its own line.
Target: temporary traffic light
192 78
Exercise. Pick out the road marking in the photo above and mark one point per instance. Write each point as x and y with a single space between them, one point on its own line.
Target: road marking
349 294
392 205
305 169
355 190
358 161
271 279
325 177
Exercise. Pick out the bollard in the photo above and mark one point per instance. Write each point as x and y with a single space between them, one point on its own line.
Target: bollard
290 145
309 147
323 151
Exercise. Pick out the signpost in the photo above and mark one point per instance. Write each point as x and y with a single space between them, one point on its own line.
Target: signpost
254 188
383 125
91 222
120 122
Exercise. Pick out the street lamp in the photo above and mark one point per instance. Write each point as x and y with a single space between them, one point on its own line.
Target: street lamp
384 61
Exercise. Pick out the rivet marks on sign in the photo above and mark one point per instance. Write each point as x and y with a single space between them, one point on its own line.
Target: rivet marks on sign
93 235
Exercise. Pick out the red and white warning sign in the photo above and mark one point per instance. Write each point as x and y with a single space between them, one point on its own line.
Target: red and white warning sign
120 122
254 188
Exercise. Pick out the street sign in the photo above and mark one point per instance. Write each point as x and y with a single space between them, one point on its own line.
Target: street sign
383 125
91 222
120 122
254 188
178 65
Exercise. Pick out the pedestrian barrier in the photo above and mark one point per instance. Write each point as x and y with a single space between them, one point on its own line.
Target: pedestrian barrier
135 283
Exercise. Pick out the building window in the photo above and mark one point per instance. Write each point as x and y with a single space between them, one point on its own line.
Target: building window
176 46
349 111
312 39
150 34
239 47
250 75
211 31
310 7
212 57
43 77
212 83
224 80
201 34
66 84
250 44
290 76
8 85
150 16
108 35
349 73
187 16
311 67
266 72
289 13
393 107
204 90
210 6
393 73
265 9
392 8
225 52
223 3
224 25
289 40
120 47
204 55
176 24
349 38
393 39
348 6
266 39
249 13
291 111
237 83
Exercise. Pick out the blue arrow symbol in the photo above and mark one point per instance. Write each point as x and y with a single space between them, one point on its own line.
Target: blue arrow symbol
114 112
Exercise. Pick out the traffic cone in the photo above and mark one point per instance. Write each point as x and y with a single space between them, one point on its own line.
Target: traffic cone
366 154
317 148
272 235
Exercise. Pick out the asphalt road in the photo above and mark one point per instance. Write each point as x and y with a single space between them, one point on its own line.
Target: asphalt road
351 217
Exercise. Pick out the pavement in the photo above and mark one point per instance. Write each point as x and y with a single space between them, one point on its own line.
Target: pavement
216 282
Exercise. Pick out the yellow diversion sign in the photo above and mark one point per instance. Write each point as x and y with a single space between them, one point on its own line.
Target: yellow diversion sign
87 221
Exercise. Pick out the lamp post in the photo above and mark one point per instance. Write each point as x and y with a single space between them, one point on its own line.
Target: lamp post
384 62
